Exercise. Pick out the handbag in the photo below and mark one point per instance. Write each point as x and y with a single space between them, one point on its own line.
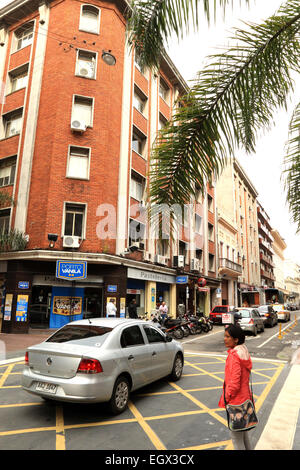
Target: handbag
241 417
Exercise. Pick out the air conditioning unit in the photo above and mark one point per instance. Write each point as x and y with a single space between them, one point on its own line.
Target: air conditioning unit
147 256
160 259
78 126
71 241
85 72
178 261
195 264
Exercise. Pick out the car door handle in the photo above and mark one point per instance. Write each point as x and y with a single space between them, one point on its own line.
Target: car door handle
130 357
154 353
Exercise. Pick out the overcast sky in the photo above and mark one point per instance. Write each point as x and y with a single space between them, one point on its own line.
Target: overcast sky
264 168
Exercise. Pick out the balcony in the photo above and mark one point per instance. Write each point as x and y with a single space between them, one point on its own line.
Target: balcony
267 275
226 266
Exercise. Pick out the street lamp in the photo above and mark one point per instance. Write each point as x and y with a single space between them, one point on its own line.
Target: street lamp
108 58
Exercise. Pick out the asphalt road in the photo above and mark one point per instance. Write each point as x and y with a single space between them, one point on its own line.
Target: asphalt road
164 416
270 344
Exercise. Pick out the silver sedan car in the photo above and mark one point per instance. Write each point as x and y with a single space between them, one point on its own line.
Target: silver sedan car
250 320
101 360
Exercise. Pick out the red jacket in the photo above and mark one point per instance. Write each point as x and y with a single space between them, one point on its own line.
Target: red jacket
237 371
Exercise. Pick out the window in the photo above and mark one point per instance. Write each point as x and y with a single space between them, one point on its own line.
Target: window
74 220
198 223
136 231
4 221
183 250
90 19
131 336
137 61
210 203
24 36
18 78
210 232
211 262
153 335
83 110
137 186
164 90
163 247
7 171
78 163
86 64
161 122
12 123
139 100
138 142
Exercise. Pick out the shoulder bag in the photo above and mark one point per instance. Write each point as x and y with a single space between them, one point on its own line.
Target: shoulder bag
241 417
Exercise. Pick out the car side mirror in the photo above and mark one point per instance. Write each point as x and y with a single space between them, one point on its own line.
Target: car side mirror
168 338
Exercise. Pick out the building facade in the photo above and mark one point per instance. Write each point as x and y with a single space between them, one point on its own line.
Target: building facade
78 120
266 253
230 267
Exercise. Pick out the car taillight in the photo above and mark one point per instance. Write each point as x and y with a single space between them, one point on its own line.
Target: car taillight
90 366
251 322
26 359
267 314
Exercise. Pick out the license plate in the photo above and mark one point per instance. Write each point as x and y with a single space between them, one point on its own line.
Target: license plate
46 387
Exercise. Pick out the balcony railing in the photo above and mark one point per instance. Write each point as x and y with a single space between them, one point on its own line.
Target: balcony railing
228 264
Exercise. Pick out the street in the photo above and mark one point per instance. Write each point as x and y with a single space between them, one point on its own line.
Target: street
162 416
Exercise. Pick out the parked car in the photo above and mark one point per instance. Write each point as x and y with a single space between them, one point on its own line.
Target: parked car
101 360
216 314
251 320
282 312
268 315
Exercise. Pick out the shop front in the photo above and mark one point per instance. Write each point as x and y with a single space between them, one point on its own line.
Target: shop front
250 296
150 288
36 296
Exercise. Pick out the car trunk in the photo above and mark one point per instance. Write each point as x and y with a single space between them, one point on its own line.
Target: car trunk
57 360
245 320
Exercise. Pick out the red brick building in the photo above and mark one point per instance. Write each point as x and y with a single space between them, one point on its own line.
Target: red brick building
78 119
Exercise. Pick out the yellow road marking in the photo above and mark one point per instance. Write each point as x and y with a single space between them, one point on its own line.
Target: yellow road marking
25 431
268 387
207 446
14 405
199 403
211 374
60 430
6 374
150 433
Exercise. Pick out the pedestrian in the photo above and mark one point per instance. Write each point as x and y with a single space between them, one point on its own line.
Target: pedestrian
163 311
111 309
236 382
132 309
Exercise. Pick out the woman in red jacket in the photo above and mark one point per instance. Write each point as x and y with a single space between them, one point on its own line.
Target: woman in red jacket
237 371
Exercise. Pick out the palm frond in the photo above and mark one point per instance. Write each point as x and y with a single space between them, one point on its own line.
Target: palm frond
291 173
232 100
151 23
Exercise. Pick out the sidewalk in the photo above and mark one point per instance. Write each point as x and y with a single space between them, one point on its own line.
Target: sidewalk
282 430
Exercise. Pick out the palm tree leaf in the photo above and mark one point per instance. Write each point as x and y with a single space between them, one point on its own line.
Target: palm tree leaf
232 100
151 23
291 173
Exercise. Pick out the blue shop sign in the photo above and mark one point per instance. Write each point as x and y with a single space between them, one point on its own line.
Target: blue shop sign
23 285
111 288
71 271
182 279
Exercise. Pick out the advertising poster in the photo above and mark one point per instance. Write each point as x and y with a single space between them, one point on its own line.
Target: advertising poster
8 306
22 307
122 307
66 305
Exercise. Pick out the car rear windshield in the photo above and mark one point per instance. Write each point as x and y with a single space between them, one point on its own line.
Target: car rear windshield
220 310
263 309
244 313
85 334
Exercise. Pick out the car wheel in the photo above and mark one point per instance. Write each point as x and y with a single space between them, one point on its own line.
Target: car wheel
262 329
255 332
120 396
177 368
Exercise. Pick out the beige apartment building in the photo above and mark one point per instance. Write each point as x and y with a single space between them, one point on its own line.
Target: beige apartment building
238 236
279 246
